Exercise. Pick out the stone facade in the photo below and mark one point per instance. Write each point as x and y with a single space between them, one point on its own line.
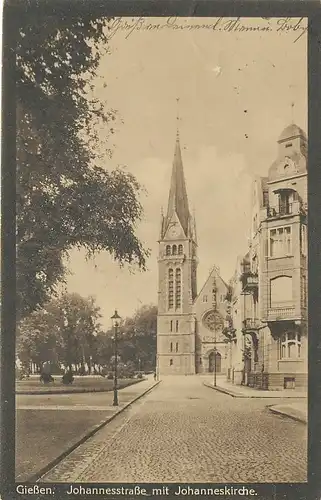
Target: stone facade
190 327
274 272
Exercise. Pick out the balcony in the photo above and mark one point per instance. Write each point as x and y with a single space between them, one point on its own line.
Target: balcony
286 209
251 324
250 281
281 313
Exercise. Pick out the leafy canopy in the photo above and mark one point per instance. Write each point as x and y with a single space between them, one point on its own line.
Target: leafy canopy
64 199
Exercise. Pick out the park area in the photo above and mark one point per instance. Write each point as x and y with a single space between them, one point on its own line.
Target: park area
49 424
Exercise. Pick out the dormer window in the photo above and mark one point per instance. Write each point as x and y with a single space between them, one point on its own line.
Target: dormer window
174 249
180 249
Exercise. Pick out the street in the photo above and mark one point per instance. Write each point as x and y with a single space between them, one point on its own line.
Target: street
183 431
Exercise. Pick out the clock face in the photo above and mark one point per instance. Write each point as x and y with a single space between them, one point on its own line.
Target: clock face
213 321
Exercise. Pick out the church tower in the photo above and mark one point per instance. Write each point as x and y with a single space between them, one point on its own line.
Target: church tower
177 264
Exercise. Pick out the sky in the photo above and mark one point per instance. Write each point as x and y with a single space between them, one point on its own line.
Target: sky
235 90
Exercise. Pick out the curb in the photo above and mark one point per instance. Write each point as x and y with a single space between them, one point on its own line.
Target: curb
76 391
235 395
225 391
284 414
38 475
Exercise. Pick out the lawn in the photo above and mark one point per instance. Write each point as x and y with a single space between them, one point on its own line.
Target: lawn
48 425
41 436
80 384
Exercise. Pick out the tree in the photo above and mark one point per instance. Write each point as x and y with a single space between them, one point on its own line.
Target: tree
64 199
62 332
139 343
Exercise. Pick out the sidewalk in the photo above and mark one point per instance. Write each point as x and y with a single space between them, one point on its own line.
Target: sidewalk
69 428
241 391
296 411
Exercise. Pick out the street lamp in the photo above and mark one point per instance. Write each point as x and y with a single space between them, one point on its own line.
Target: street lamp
115 320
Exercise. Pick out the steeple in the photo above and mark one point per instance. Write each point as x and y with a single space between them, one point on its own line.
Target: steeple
177 200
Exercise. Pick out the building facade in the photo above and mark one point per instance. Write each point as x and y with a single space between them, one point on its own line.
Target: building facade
274 271
190 326
253 329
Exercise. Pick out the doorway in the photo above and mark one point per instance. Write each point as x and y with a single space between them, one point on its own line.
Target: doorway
214 360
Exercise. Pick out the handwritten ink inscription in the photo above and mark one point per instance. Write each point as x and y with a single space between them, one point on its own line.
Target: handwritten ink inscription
288 25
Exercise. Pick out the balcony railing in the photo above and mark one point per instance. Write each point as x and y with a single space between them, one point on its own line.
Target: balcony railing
294 208
281 313
251 324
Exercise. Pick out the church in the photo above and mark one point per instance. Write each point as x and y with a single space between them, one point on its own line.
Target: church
191 327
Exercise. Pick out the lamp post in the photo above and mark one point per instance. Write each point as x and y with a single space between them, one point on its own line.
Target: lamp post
115 320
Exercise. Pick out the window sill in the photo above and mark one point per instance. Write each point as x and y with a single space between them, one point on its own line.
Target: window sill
281 257
290 359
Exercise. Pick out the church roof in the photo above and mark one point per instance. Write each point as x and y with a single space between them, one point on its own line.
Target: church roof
177 200
291 131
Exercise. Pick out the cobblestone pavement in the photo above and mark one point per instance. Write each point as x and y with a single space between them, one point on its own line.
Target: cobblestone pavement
185 432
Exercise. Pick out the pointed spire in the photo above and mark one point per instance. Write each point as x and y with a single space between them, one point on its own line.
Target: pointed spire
177 200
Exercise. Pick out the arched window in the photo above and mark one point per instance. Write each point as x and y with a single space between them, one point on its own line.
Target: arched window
171 347
180 249
168 249
176 346
290 345
178 288
174 250
170 288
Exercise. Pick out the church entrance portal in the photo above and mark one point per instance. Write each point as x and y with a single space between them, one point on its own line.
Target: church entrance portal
214 360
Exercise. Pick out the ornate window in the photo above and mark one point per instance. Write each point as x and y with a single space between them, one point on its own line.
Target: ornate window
178 288
168 249
170 288
180 249
174 250
290 345
213 321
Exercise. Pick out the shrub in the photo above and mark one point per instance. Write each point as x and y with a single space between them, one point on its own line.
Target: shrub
139 375
46 378
67 378
110 376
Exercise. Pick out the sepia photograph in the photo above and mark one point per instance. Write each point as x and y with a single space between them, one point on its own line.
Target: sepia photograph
162 255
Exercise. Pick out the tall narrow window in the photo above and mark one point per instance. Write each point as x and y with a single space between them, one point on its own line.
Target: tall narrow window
304 239
171 325
180 249
168 249
174 250
171 347
170 362
176 346
178 288
170 288
177 325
